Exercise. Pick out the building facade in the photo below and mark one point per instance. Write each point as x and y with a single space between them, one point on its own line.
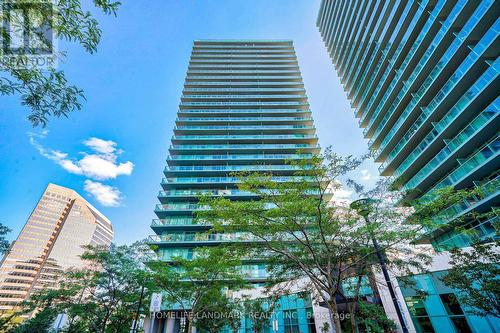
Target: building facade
243 108
422 77
50 242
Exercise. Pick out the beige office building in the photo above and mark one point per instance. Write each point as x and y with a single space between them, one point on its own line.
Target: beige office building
51 241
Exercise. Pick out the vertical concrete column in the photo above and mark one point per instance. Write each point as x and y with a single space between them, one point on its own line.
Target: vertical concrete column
322 316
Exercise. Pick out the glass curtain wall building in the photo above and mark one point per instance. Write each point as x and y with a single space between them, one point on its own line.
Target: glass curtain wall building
51 241
243 108
422 77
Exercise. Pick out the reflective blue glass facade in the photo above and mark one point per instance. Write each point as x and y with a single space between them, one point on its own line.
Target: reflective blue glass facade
440 311
243 108
422 77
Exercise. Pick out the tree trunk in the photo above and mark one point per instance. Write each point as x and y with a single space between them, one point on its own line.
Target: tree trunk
353 305
189 326
105 320
334 315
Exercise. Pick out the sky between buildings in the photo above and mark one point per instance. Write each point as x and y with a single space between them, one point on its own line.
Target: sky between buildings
114 150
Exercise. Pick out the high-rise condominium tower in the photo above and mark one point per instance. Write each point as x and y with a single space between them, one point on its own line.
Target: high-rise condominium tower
422 77
243 108
50 242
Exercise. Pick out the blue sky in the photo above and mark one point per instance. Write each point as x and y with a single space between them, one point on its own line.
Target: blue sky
114 150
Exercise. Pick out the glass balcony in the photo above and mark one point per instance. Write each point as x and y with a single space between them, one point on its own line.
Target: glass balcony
488 189
445 28
396 32
180 206
231 168
231 111
488 76
241 103
196 193
459 40
196 60
239 119
462 137
248 89
423 33
241 127
239 157
242 77
243 96
440 126
246 83
243 146
222 180
201 237
258 71
486 153
239 137
174 222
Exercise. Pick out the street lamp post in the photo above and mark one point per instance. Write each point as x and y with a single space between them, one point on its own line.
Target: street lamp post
364 208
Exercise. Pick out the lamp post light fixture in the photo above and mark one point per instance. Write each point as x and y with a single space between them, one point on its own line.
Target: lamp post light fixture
364 207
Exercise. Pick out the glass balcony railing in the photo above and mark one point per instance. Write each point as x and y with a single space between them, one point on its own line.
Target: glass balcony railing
198 59
452 146
488 189
239 137
233 168
489 75
242 146
241 127
202 237
251 65
242 103
226 97
247 90
244 77
239 119
238 157
445 28
173 221
180 206
423 33
244 47
440 126
274 71
246 65
450 52
247 83
245 53
196 193
395 32
231 180
483 155
231 111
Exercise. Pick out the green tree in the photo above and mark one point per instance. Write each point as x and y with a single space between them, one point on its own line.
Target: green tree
102 298
4 243
47 92
259 311
475 277
303 233
46 304
201 287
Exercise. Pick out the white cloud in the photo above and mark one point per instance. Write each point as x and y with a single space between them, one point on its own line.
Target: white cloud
341 195
99 165
100 145
365 174
106 195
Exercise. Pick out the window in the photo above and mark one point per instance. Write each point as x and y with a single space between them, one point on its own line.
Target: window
451 304
291 321
310 320
461 324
